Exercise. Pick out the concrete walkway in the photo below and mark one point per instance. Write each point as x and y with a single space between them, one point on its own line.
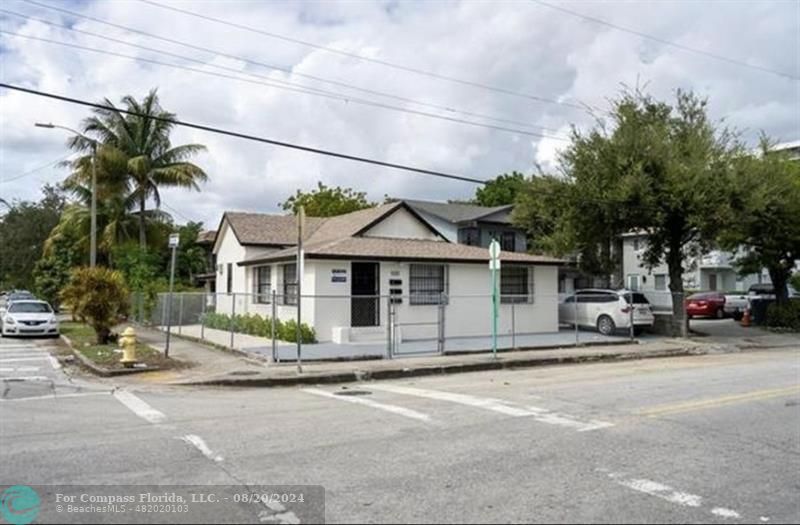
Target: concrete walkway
224 368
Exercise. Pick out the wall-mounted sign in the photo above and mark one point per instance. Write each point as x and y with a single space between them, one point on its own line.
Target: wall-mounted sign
338 275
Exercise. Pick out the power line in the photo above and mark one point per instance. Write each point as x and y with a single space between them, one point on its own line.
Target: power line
660 41
34 170
246 136
368 59
263 64
176 211
274 83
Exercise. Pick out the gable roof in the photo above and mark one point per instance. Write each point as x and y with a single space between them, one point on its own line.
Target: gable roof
262 229
456 212
383 248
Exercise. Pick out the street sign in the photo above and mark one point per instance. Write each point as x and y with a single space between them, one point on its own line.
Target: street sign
494 249
494 264
174 240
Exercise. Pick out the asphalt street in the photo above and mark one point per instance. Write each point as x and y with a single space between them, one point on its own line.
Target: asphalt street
711 439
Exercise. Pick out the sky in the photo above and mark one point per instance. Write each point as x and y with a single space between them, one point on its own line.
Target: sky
529 68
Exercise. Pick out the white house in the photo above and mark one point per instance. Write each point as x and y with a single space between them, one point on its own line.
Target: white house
356 266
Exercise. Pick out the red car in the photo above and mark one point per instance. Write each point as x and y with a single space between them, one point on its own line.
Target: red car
706 304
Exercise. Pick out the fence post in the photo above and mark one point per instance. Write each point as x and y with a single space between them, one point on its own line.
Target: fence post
513 324
163 311
273 335
440 324
233 316
575 312
203 316
180 314
632 334
389 327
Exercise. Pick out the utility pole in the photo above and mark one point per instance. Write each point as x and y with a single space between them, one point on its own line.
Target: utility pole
301 216
494 266
174 240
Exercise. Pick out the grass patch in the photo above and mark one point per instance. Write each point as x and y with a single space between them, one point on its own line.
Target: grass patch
108 356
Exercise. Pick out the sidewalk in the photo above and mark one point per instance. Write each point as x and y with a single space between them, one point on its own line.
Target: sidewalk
222 368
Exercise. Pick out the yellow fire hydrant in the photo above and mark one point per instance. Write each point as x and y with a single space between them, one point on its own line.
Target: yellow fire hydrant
128 343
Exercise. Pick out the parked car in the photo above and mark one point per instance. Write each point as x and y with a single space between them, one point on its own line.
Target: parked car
606 310
706 304
736 304
767 291
29 318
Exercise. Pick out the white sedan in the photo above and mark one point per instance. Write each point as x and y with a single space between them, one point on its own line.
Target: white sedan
607 310
29 318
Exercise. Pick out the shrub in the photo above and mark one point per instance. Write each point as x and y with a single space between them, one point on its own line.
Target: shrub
99 297
785 315
254 324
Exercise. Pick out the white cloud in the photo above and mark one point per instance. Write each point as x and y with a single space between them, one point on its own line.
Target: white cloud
520 47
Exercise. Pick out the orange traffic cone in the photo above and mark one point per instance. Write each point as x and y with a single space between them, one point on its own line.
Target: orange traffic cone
746 318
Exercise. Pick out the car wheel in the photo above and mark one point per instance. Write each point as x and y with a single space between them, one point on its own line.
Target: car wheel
605 325
638 330
720 313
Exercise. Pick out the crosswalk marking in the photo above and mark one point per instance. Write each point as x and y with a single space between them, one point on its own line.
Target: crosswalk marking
542 415
407 412
21 359
19 369
139 407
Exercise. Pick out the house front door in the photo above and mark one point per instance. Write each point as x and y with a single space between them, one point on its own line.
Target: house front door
712 282
364 290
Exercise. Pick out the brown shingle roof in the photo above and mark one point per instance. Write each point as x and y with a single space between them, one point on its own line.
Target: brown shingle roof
206 237
260 228
399 249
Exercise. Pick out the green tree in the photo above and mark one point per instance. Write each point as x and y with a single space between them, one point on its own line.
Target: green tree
99 297
764 216
326 201
501 190
151 162
657 168
23 231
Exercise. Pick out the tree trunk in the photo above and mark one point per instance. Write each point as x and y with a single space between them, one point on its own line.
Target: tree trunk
779 276
142 236
680 322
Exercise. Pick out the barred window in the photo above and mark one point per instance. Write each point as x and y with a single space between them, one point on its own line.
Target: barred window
516 284
290 284
469 236
508 241
261 284
427 283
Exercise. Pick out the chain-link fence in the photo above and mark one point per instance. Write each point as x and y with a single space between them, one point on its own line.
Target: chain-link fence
388 326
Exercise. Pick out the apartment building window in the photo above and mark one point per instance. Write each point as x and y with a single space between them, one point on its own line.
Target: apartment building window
636 245
661 282
633 281
469 236
427 283
290 284
516 284
508 241
261 284
229 278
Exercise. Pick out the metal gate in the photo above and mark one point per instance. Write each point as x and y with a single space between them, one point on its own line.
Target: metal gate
401 346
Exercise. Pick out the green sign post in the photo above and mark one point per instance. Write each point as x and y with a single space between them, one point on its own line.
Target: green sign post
494 266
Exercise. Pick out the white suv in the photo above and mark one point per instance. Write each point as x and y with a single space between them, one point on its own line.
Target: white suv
606 310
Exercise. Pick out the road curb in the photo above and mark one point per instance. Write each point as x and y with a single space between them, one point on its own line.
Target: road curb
438 369
100 370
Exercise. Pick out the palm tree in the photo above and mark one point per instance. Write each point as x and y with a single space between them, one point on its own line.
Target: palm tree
152 163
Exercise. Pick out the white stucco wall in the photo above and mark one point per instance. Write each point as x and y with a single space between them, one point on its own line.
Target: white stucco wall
401 224
467 312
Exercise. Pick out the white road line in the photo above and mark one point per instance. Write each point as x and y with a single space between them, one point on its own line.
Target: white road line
667 493
54 362
24 378
406 412
725 513
22 359
139 407
541 415
20 369
56 397
199 444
